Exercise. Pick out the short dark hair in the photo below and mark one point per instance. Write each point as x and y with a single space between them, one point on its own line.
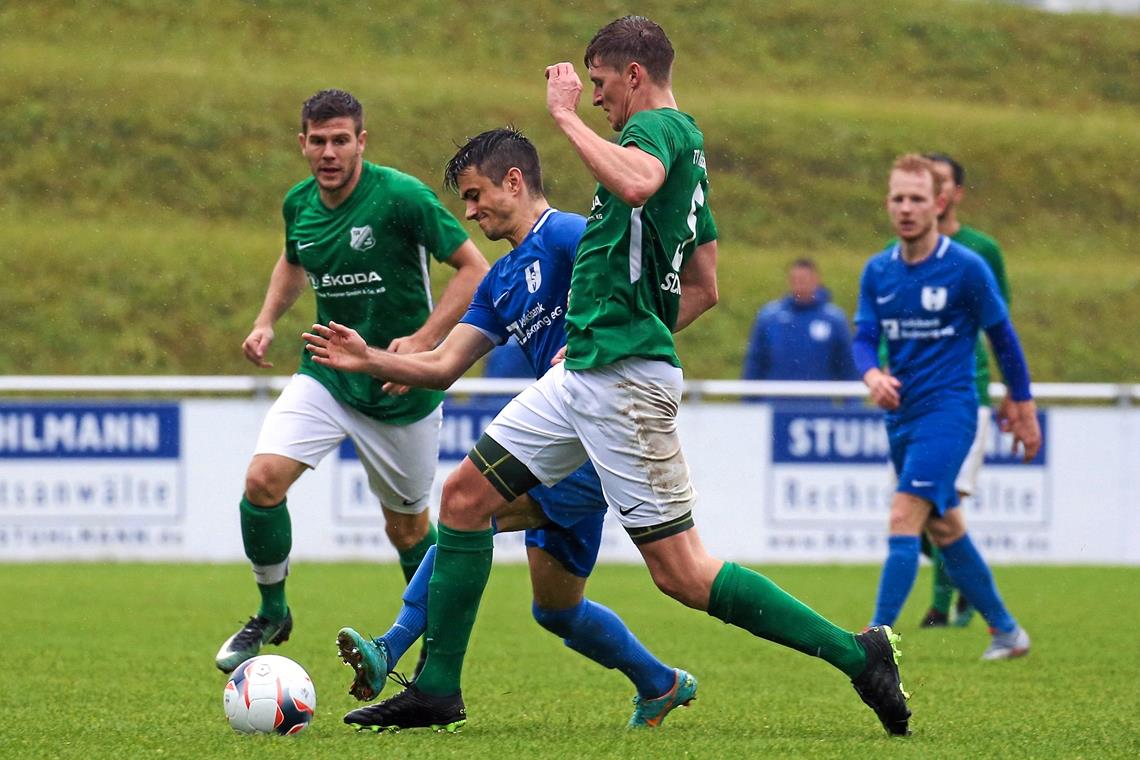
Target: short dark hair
958 170
493 153
629 39
804 264
332 104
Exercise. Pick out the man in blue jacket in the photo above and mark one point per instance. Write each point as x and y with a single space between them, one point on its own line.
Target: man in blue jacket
802 336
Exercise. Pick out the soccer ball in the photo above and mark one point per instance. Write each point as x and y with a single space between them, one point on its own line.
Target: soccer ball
269 694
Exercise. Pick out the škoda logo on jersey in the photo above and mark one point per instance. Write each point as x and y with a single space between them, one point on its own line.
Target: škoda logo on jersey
361 238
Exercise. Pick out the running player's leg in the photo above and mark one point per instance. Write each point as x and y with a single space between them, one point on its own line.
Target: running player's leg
562 554
400 463
966 485
625 414
971 574
302 426
927 451
373 659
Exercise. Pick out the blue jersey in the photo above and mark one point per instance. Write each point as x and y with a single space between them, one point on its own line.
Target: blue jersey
525 292
930 314
524 295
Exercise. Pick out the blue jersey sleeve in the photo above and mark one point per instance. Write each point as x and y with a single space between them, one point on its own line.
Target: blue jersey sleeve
982 289
481 313
865 308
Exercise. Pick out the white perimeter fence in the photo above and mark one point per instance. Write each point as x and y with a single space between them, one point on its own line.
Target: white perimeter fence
151 468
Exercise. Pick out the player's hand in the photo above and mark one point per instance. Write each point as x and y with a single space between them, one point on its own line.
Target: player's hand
559 357
1004 411
256 344
409 344
338 347
884 389
563 89
1021 421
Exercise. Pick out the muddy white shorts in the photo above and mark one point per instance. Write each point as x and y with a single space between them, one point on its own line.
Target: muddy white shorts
623 417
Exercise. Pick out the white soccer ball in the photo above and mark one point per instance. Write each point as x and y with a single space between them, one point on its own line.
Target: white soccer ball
269 694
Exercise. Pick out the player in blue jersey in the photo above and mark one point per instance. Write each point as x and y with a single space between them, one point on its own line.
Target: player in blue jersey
524 295
930 297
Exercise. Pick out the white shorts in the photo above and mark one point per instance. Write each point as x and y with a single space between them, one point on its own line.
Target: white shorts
307 422
623 418
967 481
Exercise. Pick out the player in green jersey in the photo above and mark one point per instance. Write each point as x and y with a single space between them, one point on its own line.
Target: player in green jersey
614 399
953 177
359 234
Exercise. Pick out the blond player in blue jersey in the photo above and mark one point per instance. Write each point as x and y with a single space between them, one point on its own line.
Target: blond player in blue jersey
360 236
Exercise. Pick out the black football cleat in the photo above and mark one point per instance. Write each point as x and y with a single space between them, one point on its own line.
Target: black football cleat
879 685
411 708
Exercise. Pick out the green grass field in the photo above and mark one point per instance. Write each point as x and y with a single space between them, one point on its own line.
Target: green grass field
116 661
142 212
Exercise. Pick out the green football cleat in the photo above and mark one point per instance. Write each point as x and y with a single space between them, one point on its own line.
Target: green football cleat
369 660
650 713
247 642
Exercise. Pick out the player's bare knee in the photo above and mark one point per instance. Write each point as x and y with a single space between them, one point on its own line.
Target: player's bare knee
262 489
465 498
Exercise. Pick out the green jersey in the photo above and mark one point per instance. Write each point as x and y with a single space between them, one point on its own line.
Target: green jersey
367 261
986 247
625 290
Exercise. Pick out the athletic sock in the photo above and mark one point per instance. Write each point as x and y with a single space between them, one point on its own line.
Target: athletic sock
942 587
973 577
598 633
411 620
897 579
267 534
410 559
462 566
748 600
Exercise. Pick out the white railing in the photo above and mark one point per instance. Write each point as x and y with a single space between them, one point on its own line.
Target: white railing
1122 394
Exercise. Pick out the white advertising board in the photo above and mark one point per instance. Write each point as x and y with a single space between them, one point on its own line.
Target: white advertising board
161 481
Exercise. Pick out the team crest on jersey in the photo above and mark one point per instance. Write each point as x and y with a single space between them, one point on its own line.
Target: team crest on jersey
533 277
361 238
819 330
933 299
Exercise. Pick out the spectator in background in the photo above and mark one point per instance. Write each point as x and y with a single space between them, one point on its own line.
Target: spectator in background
802 336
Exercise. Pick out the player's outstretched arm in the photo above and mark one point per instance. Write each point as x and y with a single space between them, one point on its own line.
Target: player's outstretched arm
626 171
342 348
698 285
286 284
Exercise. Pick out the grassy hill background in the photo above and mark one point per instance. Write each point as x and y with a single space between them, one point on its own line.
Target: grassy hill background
149 145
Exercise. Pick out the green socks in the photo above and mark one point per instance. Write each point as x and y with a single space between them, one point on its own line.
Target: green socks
750 601
462 566
267 534
943 586
410 559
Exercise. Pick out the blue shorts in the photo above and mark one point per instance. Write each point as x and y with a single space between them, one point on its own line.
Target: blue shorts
929 446
576 508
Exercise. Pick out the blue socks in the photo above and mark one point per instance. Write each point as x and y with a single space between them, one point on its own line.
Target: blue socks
971 574
899 572
411 621
598 633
